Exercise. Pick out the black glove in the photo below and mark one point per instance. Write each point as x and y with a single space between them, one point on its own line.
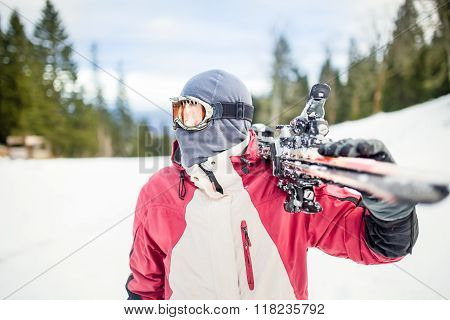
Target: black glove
373 149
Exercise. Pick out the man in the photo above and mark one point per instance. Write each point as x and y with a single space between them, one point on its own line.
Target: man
213 225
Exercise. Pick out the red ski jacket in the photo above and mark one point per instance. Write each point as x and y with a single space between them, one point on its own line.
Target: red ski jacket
192 242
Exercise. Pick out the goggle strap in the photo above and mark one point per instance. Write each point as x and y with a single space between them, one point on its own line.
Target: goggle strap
237 110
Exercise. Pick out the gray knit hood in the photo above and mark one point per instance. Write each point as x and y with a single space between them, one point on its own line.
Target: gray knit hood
221 134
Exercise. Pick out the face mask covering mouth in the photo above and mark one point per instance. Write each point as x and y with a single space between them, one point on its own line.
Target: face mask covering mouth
197 146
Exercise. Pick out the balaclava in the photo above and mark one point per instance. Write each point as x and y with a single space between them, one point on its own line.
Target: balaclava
221 134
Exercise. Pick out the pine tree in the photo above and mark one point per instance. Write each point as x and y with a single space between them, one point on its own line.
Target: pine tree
52 40
361 83
434 68
125 128
403 86
348 107
296 95
3 112
280 76
59 113
16 82
105 122
330 76
443 8
290 86
435 56
82 129
58 71
262 109
144 140
380 80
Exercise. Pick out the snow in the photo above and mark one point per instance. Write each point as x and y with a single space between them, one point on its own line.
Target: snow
418 137
75 217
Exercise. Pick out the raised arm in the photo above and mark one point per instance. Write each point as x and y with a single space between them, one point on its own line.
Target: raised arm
362 228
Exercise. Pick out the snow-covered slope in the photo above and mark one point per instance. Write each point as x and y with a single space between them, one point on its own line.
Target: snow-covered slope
76 215
418 137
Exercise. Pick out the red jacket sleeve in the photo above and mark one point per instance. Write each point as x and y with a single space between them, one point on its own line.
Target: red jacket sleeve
146 259
339 229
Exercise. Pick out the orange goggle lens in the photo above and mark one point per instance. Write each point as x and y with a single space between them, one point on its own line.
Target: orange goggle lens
189 113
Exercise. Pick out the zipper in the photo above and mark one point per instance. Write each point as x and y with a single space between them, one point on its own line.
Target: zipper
248 260
181 186
217 187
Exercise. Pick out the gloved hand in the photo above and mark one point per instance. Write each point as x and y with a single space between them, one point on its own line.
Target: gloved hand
373 149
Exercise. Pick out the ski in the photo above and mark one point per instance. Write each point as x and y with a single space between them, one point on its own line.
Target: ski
389 187
300 168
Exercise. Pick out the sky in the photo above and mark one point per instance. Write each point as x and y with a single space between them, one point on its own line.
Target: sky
161 44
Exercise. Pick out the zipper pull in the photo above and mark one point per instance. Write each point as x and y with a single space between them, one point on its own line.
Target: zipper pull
181 186
244 163
247 237
245 232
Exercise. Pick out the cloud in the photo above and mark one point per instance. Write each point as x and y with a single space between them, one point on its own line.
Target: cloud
145 86
163 44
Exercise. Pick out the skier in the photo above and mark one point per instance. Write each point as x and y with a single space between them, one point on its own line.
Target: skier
213 224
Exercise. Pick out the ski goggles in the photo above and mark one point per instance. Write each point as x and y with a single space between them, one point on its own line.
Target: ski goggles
193 114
